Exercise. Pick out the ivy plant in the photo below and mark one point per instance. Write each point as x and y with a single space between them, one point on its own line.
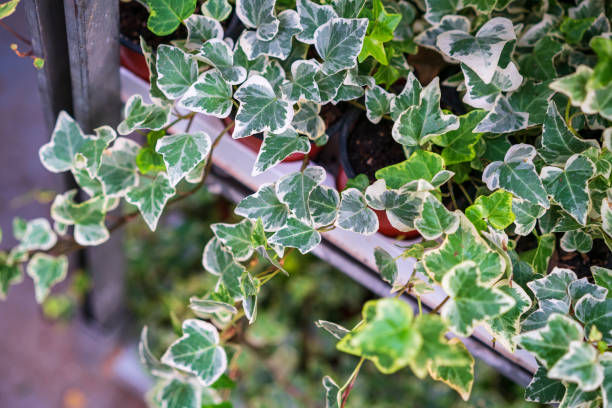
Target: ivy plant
497 183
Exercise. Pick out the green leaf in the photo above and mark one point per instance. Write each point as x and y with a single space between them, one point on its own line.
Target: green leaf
236 237
378 103
544 390
601 73
387 267
575 397
481 95
420 123
603 278
552 342
458 377
481 6
219 54
599 101
420 165
539 64
470 301
139 115
387 336
558 142
176 71
323 205
201 29
606 387
354 214
464 245
10 274
332 392
517 174
568 187
545 249
87 217
46 270
579 365
149 161
259 14
8 7
574 29
197 352
507 325
151 198
554 285
348 8
503 118
279 44
295 234
381 27
210 95
339 42
436 9
38 235
264 205
260 109
312 16
276 147
118 170
67 140
574 86
526 216
582 287
458 145
495 208
533 100
481 52
182 153
303 86
576 240
402 206
595 312
147 358
294 190
166 15
360 182
435 220
205 307
219 261
217 9
308 122
177 393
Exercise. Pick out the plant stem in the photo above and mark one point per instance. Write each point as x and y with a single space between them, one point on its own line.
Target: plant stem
465 193
305 161
348 386
362 107
420 306
15 34
452 195
437 308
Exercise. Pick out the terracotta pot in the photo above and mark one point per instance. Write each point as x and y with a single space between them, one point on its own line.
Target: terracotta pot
254 143
131 58
346 171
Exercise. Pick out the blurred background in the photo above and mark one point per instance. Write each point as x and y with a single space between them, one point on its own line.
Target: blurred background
57 355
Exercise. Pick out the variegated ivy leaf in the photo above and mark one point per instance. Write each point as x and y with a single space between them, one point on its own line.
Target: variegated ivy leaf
458 145
201 29
151 198
503 118
465 244
90 154
530 36
545 249
329 85
538 318
458 377
420 165
481 95
507 325
517 174
387 267
348 8
206 307
210 95
495 208
237 238
539 64
308 122
139 115
258 14
339 42
66 142
606 388
312 16
165 16
436 9
420 123
296 234
435 220
219 261
87 217
599 101
554 285
429 37
543 389
178 392
574 86
254 66
217 9
582 287
38 234
532 99
260 109
387 337
526 215
10 274
592 311
157 95
151 363
198 352
480 52
323 205
276 147
332 393
176 71
220 55
402 206
579 365
264 205
603 278
250 290
294 190
558 143
46 270
568 187
575 397
275 75
576 240
302 86
470 301
606 216
410 96
182 153
378 103
277 46
354 214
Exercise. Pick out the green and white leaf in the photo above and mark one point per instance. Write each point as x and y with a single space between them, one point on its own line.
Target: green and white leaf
354 214
543 389
182 153
420 165
294 190
410 96
87 217
323 205
312 16
459 145
67 140
176 71
277 46
217 9
166 15
378 103
387 267
481 95
38 235
458 377
435 219
179 393
526 215
554 285
339 42
503 118
428 38
574 86
403 206
296 234
308 122
576 240
210 95
264 205
302 86
603 278
276 147
580 366
46 270
219 54
151 198
219 261
258 14
507 325
236 238
201 29
595 312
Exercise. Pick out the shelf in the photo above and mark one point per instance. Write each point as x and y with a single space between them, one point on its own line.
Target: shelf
351 253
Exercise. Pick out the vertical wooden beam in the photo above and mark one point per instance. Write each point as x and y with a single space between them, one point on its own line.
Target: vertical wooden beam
92 28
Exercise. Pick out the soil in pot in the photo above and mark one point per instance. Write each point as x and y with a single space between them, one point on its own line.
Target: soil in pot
581 263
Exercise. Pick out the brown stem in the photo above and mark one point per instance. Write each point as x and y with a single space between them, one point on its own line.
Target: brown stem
437 309
347 391
15 33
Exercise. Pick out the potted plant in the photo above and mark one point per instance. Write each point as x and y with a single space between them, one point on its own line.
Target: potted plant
494 188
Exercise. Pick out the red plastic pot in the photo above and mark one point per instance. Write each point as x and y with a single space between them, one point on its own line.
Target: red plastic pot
134 61
254 143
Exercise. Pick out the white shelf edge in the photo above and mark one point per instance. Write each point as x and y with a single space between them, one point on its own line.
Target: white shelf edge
361 248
